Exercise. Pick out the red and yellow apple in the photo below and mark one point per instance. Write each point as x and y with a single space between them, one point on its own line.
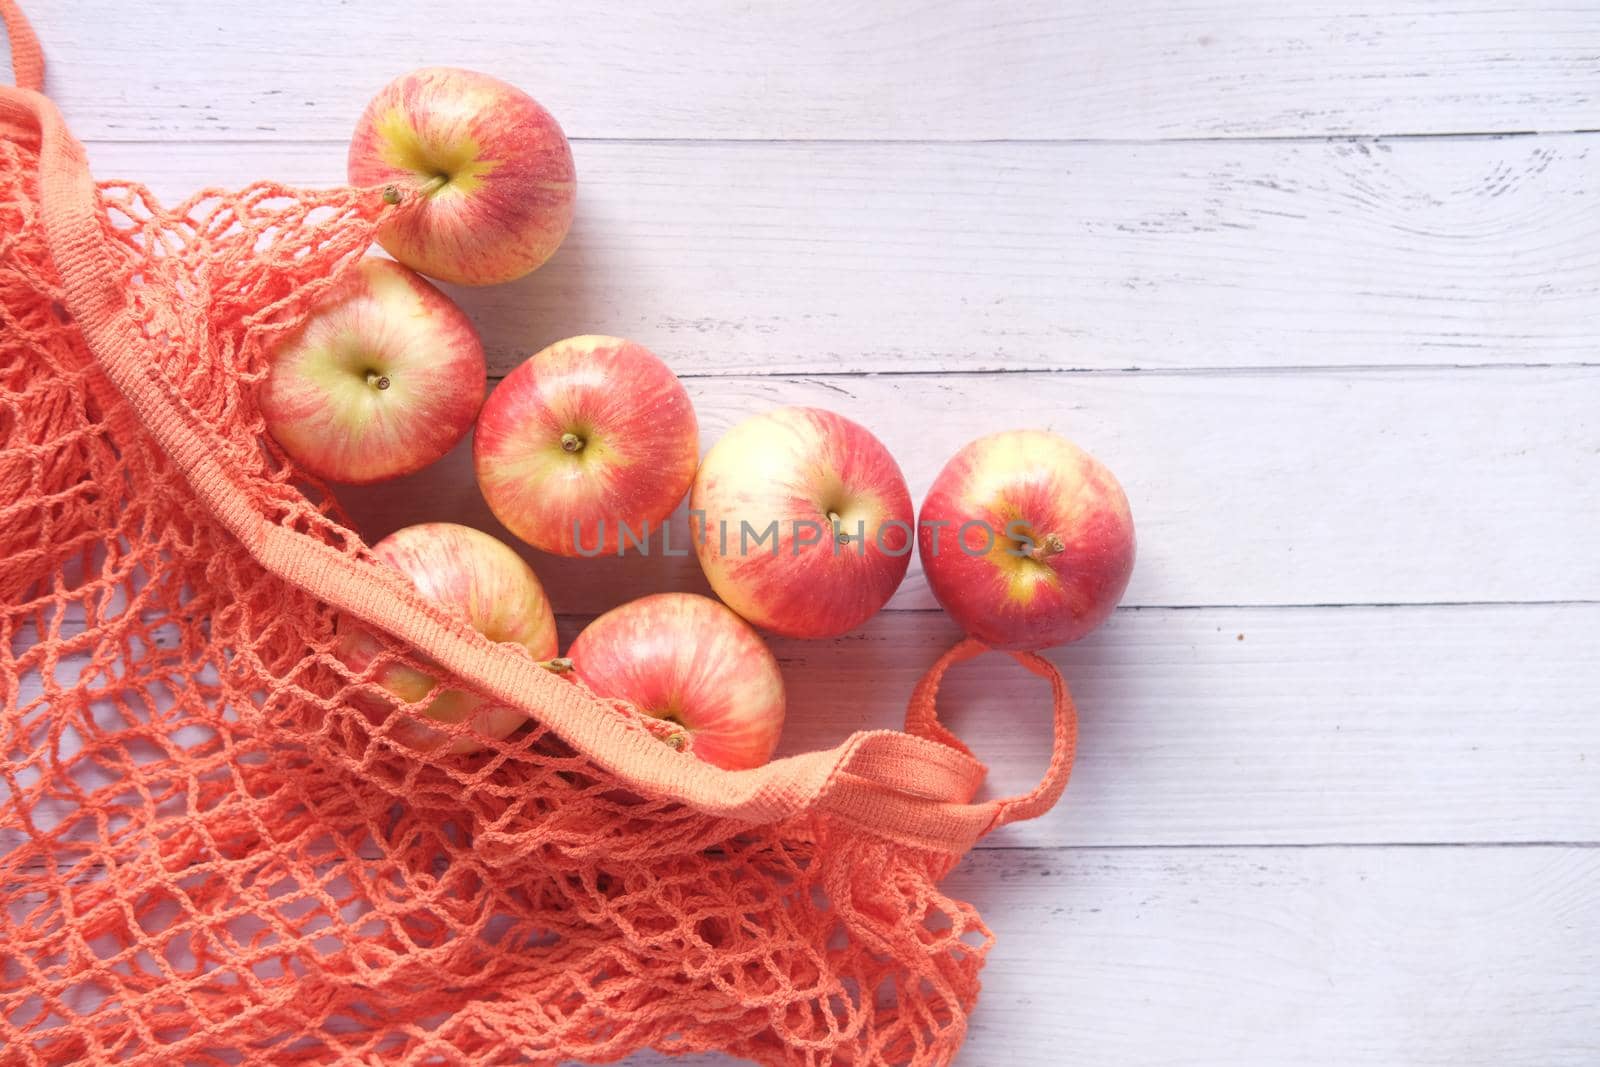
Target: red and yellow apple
479 579
382 379
491 167
802 522
1026 540
589 435
688 659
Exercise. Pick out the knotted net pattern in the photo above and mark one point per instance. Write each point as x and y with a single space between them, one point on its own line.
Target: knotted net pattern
209 853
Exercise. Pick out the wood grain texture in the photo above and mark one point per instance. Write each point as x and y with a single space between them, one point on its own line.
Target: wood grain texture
1480 957
1333 487
1245 726
835 69
760 258
1260 958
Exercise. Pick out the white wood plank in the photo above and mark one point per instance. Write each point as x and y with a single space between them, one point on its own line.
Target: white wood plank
1319 958
1312 488
836 69
1278 726
760 258
1338 957
1248 726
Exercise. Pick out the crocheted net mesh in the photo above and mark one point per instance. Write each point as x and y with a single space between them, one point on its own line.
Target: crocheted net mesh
209 852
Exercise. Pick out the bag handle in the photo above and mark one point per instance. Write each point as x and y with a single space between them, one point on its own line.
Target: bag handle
27 58
922 720
914 787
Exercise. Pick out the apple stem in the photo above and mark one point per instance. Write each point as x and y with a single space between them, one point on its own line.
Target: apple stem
433 184
833 517
559 665
1047 546
571 442
376 380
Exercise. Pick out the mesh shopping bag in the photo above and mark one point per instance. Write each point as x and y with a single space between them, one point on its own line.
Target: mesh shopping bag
212 850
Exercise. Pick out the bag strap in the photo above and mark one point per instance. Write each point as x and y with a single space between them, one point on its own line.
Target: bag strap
914 787
27 58
922 720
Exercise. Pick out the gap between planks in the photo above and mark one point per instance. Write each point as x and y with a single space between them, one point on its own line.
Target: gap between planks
852 142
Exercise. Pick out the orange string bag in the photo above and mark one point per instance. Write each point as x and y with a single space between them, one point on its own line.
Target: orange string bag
210 853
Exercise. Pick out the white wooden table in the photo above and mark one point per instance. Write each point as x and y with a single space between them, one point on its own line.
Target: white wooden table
1322 287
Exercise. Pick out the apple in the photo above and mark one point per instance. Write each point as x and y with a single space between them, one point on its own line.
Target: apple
382 379
803 522
484 582
1026 540
588 435
492 169
688 659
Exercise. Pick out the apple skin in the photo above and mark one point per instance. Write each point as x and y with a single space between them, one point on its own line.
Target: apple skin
1062 500
688 659
493 168
587 434
383 378
799 466
479 579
